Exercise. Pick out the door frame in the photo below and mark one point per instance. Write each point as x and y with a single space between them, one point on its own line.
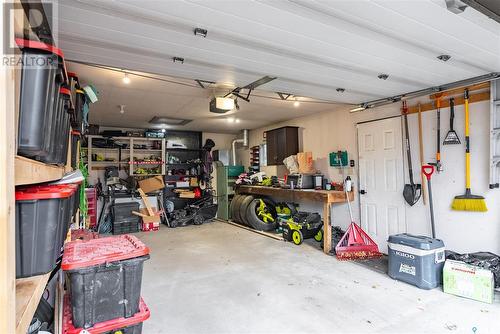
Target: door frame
358 165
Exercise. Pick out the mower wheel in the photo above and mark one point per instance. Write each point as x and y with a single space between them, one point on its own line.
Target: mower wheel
232 208
319 236
243 209
268 222
198 220
297 237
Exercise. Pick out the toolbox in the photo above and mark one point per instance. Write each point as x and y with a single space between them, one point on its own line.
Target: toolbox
42 222
416 260
104 276
38 98
132 325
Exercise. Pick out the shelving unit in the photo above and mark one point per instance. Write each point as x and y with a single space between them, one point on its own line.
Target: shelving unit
495 134
28 293
126 158
30 171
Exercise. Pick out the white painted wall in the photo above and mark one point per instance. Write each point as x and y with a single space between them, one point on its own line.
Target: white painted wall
461 231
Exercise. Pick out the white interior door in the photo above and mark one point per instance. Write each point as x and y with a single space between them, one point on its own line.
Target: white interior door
381 179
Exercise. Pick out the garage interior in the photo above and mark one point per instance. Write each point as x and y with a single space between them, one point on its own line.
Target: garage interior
250 166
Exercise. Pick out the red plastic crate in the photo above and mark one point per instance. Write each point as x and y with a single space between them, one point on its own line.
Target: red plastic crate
83 234
103 327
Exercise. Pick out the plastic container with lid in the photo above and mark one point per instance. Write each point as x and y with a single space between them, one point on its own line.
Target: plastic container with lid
58 152
75 139
131 325
416 259
38 97
105 276
42 220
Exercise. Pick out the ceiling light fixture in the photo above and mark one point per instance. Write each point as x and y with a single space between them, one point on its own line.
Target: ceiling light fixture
126 79
444 57
360 107
340 90
163 130
178 60
237 120
296 103
122 108
230 119
383 76
200 32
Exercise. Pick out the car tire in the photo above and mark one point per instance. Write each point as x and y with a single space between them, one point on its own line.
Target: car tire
254 220
243 209
232 208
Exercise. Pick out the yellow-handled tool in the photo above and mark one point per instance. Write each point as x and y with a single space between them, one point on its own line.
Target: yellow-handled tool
468 202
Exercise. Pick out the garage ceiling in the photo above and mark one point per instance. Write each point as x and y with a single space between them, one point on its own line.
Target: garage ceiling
312 47
147 96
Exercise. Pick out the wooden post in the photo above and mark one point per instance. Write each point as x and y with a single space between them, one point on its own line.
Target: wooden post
327 228
7 205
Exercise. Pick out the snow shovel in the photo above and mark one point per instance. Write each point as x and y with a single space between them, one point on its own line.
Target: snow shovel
412 191
451 137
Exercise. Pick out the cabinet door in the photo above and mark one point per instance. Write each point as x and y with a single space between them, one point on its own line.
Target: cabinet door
281 143
291 146
272 148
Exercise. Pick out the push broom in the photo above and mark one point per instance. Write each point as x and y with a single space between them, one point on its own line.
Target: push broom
468 202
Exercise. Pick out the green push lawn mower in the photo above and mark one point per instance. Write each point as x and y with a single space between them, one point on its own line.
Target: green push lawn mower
300 225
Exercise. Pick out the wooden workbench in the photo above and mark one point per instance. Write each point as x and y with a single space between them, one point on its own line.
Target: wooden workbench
327 197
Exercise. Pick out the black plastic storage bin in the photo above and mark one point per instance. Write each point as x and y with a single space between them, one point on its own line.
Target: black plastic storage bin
42 221
132 325
75 139
59 150
38 96
129 225
104 276
123 211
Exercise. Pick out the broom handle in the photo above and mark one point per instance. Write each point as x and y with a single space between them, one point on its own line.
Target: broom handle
421 149
467 141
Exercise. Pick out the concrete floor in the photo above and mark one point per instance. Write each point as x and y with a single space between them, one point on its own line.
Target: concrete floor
217 278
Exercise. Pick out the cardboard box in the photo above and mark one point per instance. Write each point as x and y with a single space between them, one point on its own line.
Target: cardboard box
465 280
150 219
151 184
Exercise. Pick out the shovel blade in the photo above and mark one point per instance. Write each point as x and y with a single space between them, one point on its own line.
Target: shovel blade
412 193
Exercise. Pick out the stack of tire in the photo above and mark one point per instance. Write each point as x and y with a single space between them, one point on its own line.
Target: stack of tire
244 210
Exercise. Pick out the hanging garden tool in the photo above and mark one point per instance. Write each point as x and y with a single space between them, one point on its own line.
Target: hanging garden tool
355 244
468 202
412 191
421 152
451 137
437 164
428 170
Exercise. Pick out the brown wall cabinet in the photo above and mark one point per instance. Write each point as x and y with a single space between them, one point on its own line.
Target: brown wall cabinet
281 143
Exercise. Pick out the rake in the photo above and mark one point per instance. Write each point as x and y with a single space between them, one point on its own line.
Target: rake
355 244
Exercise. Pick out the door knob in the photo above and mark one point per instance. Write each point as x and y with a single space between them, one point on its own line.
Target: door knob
362 192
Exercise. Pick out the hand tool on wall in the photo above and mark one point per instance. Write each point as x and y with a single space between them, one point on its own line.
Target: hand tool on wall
468 202
355 243
439 166
451 137
428 170
421 151
412 191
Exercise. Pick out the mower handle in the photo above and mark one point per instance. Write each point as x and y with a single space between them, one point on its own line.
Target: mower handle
428 170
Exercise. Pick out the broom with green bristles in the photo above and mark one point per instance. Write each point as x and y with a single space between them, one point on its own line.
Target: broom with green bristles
468 202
